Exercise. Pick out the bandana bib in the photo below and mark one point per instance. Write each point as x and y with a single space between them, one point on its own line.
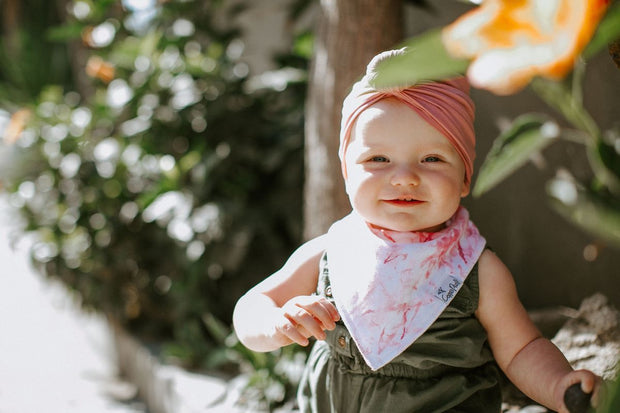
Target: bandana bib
390 286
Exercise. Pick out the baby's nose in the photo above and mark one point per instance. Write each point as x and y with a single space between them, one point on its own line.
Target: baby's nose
405 175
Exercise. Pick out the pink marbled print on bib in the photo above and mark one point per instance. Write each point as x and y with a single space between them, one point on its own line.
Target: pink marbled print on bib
390 286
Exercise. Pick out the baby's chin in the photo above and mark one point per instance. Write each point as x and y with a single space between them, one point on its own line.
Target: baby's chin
409 227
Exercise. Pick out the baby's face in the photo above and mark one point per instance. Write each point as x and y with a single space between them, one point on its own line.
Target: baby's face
402 174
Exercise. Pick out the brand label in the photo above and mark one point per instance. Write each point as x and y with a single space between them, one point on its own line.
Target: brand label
449 287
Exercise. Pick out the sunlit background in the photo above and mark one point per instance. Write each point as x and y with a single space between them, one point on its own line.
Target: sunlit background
152 169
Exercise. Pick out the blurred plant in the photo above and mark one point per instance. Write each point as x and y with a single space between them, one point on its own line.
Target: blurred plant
29 60
537 43
510 42
175 184
266 380
271 378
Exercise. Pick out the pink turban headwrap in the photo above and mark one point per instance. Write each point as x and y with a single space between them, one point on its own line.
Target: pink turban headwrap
445 105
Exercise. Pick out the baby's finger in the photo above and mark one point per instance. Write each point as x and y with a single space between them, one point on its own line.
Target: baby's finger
319 311
306 320
291 331
307 334
597 389
303 331
333 312
589 381
581 391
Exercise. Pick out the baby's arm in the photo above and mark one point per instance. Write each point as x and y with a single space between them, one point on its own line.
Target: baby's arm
533 363
281 309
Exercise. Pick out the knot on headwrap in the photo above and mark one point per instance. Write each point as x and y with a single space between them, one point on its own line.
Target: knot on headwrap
445 105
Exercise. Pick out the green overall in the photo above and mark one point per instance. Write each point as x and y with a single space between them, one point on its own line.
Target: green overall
449 368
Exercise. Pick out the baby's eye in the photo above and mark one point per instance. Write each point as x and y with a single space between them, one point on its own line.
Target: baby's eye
432 159
379 159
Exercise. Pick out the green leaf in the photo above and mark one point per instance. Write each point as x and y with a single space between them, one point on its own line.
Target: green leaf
587 210
528 134
149 42
559 96
605 162
65 32
216 328
607 31
304 45
611 403
425 59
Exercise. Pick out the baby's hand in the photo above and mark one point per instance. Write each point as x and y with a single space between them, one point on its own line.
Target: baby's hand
590 384
305 316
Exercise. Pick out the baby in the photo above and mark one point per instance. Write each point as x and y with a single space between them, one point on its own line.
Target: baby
411 311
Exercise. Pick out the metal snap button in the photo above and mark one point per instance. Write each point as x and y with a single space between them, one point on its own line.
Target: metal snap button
342 342
328 291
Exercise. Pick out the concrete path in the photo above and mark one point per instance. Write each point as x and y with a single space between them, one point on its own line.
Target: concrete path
53 357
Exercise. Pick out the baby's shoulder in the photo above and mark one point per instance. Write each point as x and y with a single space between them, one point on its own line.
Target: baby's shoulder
307 255
496 284
491 268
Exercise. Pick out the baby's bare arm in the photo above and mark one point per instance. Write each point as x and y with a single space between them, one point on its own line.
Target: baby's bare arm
282 310
534 364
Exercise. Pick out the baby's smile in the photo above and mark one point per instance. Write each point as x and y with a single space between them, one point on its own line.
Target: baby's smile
403 201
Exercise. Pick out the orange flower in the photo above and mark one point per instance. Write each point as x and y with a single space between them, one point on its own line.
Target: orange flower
87 37
16 125
511 41
100 69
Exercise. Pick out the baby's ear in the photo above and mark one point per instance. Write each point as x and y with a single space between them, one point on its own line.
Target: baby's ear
466 186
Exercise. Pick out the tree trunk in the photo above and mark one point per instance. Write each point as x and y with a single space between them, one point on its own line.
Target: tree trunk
10 19
78 58
349 33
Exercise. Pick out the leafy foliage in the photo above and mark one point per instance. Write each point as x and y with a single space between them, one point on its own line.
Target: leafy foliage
28 59
426 59
527 135
175 184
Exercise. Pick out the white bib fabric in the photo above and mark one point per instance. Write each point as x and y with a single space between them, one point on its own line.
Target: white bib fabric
390 286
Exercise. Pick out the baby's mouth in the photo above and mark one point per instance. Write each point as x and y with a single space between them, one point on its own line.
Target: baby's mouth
403 201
